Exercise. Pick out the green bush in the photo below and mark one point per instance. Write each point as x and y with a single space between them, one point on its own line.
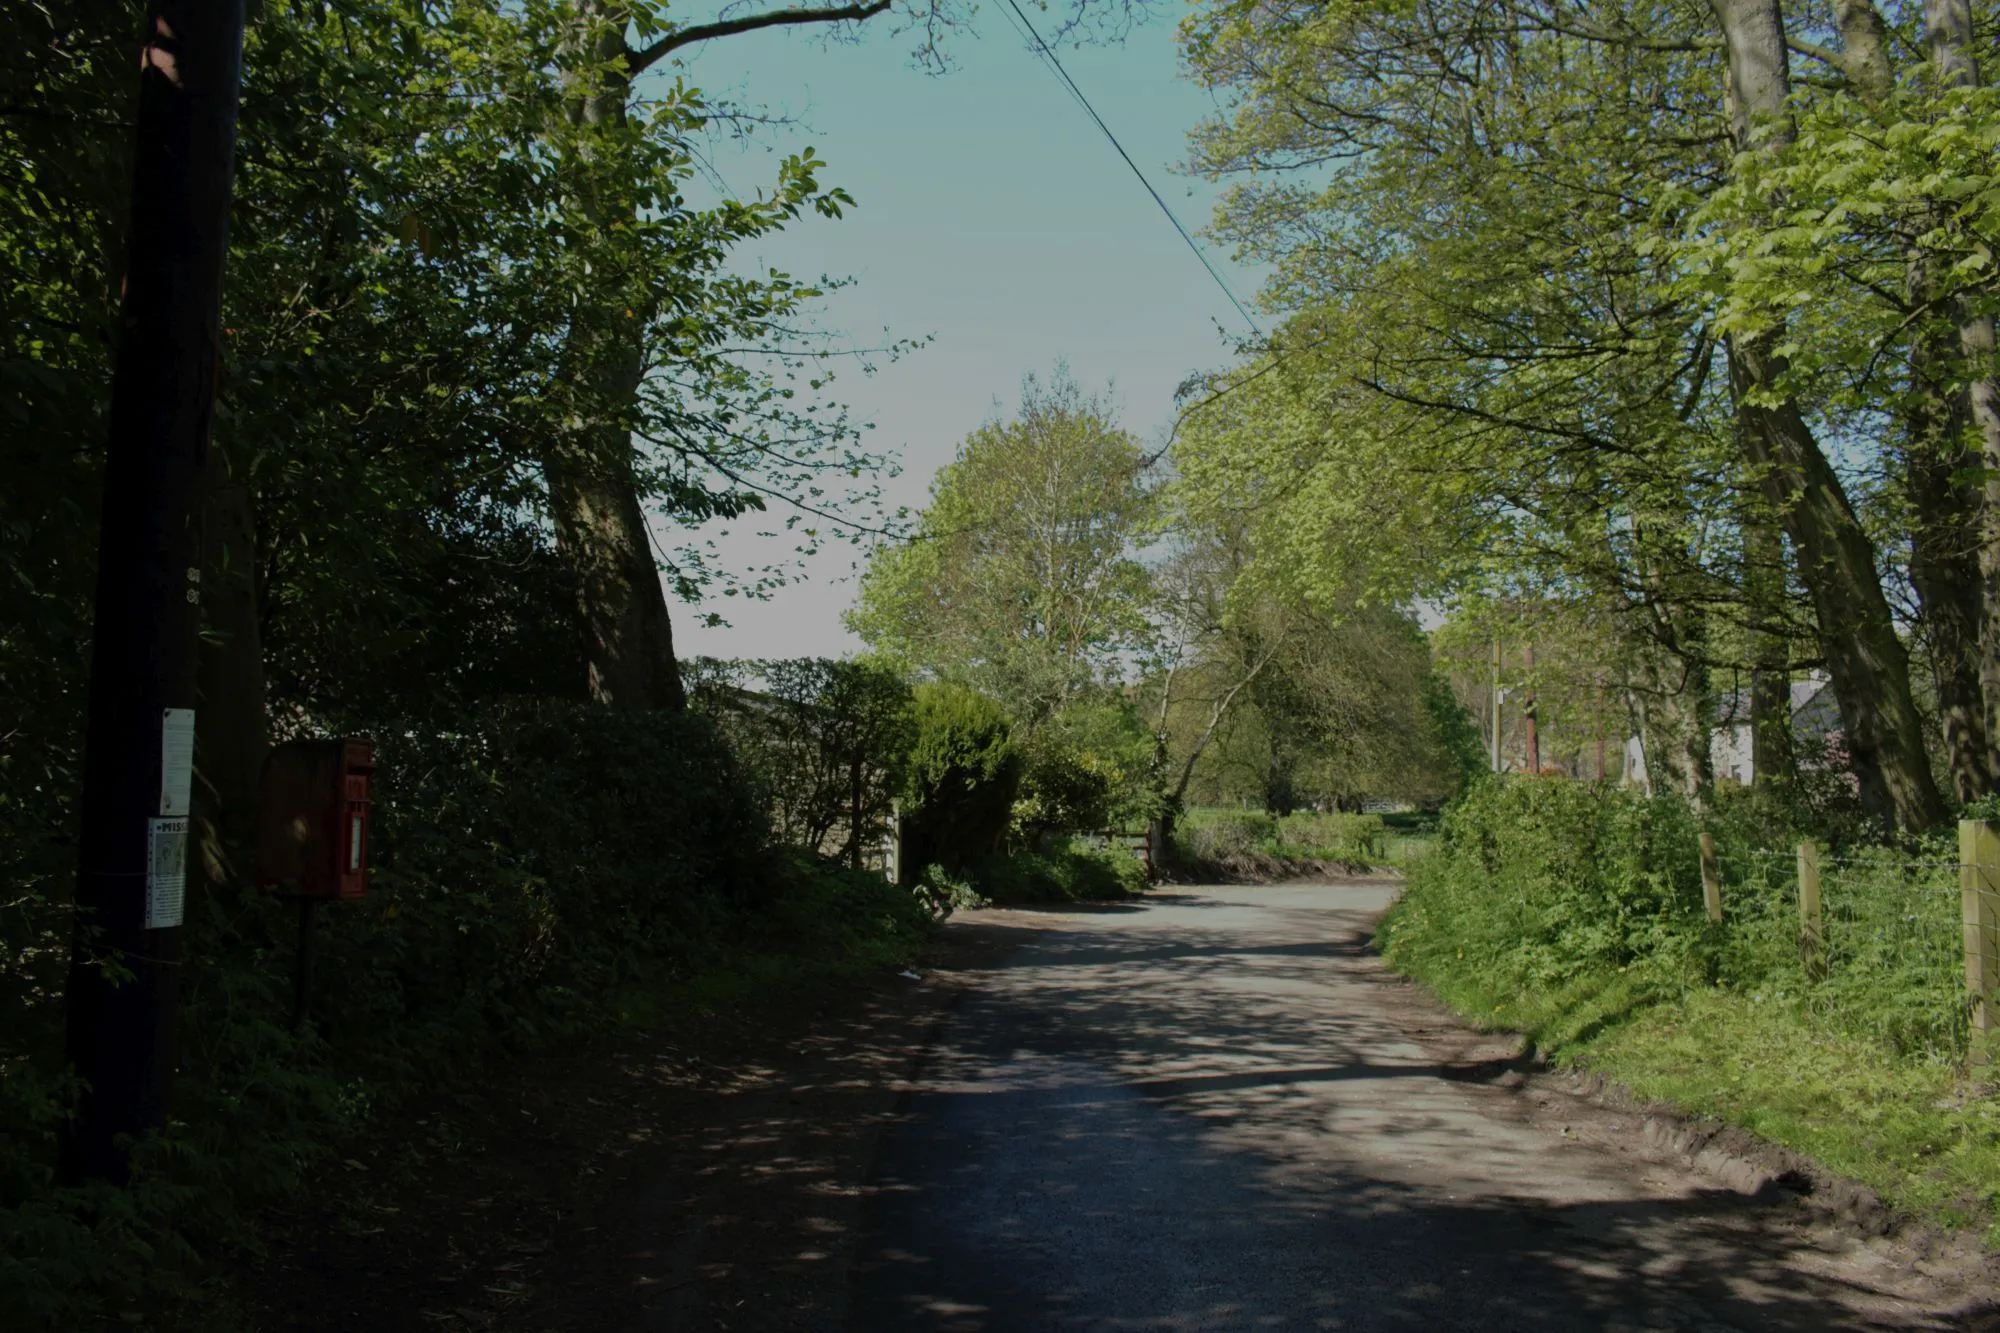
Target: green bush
1224 836
1536 884
805 729
1227 837
964 772
1060 874
948 892
1356 839
1545 876
1091 766
1063 790
1574 913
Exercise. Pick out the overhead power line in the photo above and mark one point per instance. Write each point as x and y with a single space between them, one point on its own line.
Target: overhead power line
1056 66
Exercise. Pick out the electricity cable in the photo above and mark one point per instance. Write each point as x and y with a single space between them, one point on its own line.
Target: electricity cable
1043 49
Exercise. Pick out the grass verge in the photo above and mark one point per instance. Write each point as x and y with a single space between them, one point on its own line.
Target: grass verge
1913 1131
1563 914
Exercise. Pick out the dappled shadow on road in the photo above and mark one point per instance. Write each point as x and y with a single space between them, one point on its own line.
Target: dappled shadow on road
708 1176
1196 1119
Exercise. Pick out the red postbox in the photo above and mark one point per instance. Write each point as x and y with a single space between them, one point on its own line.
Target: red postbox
312 818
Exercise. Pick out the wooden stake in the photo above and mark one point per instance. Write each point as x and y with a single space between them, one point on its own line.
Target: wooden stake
1812 927
1979 889
1711 879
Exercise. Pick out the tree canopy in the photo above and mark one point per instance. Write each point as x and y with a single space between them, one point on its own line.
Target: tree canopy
1022 576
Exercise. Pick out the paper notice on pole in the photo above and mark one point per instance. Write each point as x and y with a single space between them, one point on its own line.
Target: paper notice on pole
166 872
176 760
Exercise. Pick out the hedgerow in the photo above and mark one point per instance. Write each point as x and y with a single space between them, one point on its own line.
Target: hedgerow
1574 913
536 861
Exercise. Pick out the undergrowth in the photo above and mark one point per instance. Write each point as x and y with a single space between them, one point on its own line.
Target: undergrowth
1253 843
1058 873
1573 913
545 871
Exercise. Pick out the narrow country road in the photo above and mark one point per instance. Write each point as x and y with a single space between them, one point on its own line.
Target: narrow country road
1209 1111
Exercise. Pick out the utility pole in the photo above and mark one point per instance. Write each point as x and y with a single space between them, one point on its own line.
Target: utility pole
1534 730
139 738
1496 705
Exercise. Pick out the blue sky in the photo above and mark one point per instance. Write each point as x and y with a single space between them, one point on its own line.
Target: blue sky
992 218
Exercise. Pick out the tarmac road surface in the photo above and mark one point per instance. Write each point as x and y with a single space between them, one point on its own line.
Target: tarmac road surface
1209 1111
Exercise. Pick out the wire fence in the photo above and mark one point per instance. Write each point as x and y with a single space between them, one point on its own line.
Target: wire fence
1876 945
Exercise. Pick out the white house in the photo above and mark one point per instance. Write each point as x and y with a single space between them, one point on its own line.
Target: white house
1815 717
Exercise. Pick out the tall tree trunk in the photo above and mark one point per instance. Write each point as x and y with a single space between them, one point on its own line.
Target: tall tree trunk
593 489
1864 41
1697 705
1945 508
1529 714
1869 664
1945 564
594 496
1771 755
1948 32
231 732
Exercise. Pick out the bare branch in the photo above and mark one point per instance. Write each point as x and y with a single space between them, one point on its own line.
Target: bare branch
637 62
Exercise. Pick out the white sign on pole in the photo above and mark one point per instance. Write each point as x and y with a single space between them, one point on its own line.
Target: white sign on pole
166 872
176 761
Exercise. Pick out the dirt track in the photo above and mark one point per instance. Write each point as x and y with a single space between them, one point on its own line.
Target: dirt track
1209 1109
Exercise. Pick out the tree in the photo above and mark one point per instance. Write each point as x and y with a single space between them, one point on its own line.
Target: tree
391 373
964 771
1021 578
1494 364
829 741
631 320
695 458
1837 561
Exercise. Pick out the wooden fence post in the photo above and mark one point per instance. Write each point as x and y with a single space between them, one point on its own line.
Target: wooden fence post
1711 879
1812 926
1979 890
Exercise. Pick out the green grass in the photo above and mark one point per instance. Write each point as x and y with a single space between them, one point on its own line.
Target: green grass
1213 834
1568 916
1911 1129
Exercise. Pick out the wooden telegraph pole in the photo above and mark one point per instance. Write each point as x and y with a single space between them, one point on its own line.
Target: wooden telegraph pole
1529 714
139 739
1496 705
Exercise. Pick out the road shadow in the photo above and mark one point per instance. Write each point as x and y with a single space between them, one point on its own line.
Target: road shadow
1193 1126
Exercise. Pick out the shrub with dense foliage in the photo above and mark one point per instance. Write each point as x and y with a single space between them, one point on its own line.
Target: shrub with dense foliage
1089 767
965 769
1255 842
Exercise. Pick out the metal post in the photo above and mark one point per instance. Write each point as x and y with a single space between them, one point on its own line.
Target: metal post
138 739
1496 705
